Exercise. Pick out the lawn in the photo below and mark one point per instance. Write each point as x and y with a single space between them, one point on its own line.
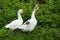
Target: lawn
48 16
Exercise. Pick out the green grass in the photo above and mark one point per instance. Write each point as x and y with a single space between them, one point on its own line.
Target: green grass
40 33
48 16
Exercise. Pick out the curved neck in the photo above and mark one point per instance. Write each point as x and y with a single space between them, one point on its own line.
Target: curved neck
33 14
19 16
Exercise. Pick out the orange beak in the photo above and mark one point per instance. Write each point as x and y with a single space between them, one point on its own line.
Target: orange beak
37 5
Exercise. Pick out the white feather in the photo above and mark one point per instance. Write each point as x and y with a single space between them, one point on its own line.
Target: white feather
18 22
32 23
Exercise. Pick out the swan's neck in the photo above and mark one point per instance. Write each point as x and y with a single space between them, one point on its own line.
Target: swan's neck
33 14
19 16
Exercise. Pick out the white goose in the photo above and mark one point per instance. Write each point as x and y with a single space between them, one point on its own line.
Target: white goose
14 24
29 25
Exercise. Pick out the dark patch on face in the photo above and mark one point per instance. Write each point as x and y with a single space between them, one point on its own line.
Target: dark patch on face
35 7
27 23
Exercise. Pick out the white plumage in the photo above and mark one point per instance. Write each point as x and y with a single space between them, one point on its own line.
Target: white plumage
29 25
18 22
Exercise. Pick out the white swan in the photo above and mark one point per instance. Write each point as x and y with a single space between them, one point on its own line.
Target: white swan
29 25
14 24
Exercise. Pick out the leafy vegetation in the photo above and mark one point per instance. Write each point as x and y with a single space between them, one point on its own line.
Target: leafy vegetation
48 16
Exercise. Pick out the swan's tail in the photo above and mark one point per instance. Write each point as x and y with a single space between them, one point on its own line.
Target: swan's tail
7 26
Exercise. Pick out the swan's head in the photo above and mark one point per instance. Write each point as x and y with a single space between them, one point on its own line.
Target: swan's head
20 11
36 7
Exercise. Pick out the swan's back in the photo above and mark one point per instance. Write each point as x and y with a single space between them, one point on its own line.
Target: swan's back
30 26
14 24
